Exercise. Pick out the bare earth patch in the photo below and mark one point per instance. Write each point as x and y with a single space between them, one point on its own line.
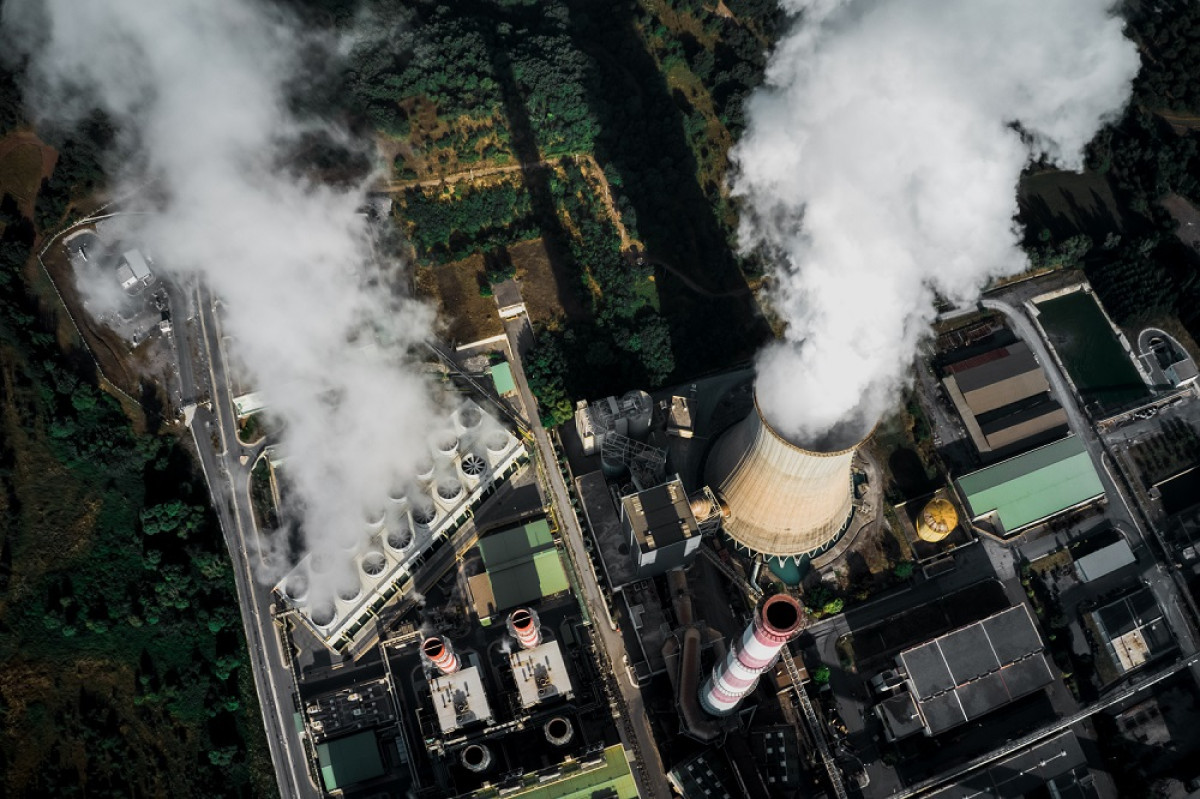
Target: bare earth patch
467 315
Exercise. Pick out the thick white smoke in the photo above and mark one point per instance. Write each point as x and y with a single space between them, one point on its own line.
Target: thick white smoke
880 164
198 86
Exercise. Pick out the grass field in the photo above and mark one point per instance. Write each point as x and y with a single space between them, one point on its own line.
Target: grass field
24 161
454 287
545 285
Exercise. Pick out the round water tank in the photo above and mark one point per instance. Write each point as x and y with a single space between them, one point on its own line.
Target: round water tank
472 465
558 731
424 513
348 587
446 444
468 417
373 563
938 519
400 536
640 413
323 614
477 757
295 587
449 489
496 441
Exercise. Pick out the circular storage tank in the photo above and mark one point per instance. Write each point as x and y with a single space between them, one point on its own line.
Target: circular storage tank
468 417
374 563
473 466
400 537
446 445
424 513
558 731
938 519
398 491
496 441
323 614
374 518
642 405
349 588
449 489
477 758
295 587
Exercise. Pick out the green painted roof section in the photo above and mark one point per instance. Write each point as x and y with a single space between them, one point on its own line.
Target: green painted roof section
519 543
613 779
523 564
502 377
1034 486
350 760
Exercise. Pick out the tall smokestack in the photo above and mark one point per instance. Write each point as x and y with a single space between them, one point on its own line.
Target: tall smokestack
524 625
783 499
777 621
440 654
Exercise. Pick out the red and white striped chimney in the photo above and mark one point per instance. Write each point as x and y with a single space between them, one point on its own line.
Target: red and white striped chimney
776 622
440 654
525 627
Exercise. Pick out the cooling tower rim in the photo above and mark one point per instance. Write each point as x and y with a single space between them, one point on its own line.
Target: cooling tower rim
812 453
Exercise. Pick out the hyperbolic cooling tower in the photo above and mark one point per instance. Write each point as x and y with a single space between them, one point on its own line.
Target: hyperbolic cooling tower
783 499
776 622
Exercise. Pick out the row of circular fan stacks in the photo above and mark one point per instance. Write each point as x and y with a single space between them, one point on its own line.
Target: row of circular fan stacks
400 529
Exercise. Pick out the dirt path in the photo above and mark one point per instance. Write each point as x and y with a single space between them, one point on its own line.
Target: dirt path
585 160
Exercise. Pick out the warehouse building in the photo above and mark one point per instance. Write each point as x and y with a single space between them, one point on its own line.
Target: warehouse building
521 565
1029 489
1004 399
966 674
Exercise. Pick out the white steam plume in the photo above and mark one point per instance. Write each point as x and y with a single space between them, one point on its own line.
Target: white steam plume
880 164
198 88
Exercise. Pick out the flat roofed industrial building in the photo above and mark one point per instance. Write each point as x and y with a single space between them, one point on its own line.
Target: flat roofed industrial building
459 699
349 761
541 674
1033 487
976 669
1004 398
663 533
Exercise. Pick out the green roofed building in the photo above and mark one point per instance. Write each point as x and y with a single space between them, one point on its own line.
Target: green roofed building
349 761
502 378
1033 487
521 565
610 778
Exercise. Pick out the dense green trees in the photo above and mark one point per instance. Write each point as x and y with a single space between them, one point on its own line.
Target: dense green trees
111 561
451 226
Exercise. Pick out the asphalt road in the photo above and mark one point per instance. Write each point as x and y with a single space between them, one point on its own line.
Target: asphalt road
226 463
631 714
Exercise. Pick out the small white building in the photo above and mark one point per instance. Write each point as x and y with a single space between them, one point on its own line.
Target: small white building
133 270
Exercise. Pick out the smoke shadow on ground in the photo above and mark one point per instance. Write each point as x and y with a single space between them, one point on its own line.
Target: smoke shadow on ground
641 136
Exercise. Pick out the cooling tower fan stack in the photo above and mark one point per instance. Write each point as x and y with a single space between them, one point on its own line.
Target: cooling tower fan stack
784 500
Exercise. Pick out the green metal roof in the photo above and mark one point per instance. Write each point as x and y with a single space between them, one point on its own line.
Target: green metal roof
522 564
502 377
1034 486
349 760
519 543
613 779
